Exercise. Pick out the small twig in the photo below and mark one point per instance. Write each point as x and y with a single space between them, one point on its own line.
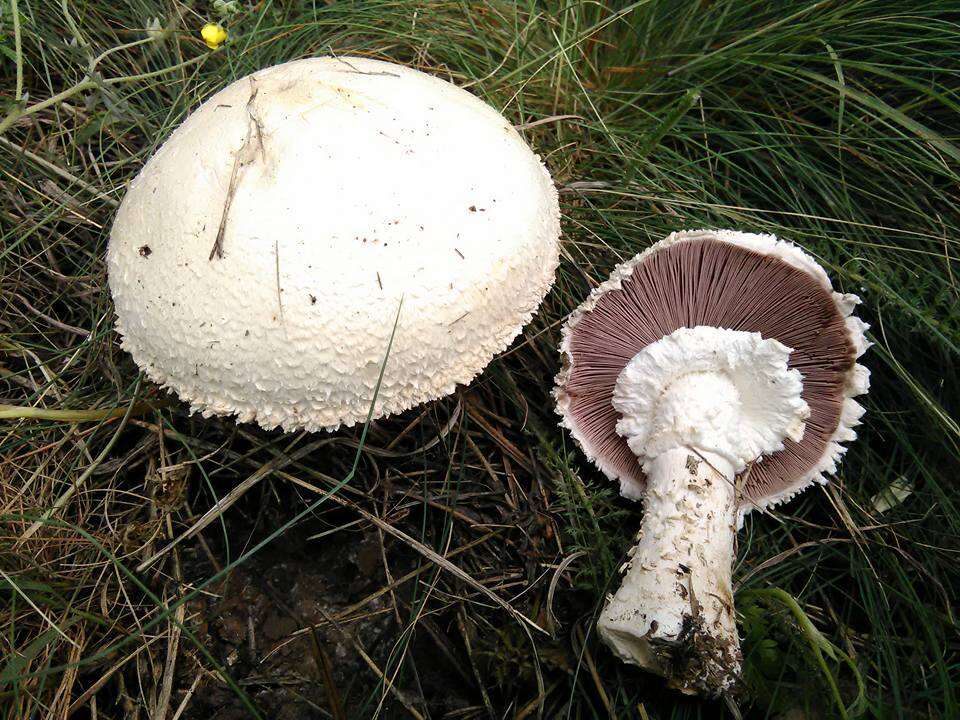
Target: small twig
361 72
52 321
544 121
187 697
240 160
26 412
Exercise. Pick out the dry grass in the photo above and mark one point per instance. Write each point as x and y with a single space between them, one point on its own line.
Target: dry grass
450 562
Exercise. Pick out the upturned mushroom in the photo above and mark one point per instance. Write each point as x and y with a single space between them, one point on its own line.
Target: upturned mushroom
711 375
258 260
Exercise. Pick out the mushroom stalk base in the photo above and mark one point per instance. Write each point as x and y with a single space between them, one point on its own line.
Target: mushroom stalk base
674 614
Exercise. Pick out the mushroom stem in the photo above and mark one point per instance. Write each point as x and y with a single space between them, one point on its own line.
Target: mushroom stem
674 612
696 407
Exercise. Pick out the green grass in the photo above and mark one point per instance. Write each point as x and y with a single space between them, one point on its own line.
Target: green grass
833 124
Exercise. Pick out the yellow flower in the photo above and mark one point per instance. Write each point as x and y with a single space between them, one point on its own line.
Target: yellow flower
213 35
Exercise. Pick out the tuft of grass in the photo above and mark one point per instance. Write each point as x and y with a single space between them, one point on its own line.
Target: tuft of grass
829 123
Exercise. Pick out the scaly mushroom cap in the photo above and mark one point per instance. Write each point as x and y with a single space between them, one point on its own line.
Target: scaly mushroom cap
259 259
721 279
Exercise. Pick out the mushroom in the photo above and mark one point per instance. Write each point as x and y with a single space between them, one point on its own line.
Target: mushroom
259 259
712 374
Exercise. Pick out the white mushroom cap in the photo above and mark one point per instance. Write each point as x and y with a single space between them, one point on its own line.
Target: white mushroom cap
342 186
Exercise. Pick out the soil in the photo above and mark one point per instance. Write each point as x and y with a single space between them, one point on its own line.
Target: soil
269 625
